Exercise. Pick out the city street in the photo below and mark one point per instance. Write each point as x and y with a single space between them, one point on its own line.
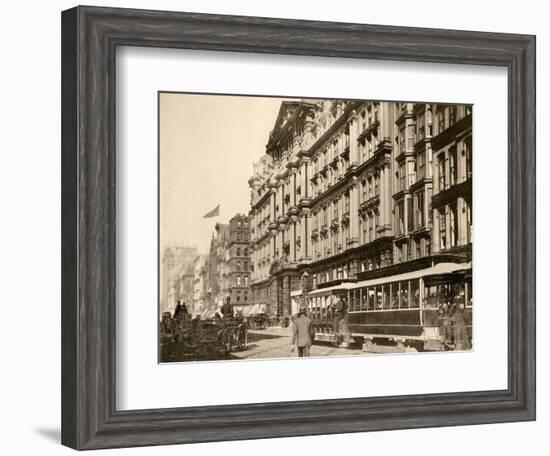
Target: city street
275 343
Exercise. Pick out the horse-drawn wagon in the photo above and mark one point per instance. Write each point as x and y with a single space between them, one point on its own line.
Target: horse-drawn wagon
197 339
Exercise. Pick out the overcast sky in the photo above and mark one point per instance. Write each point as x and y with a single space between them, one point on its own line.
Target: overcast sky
207 146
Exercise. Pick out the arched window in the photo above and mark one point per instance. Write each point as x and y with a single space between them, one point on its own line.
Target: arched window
238 251
245 252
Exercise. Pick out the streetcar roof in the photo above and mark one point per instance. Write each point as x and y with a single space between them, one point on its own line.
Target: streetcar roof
440 268
329 290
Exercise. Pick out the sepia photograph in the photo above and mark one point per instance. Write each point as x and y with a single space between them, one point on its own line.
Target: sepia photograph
301 227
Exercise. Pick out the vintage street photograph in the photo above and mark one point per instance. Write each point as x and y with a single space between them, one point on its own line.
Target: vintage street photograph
298 227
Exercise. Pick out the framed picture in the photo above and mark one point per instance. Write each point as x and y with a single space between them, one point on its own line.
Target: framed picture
237 189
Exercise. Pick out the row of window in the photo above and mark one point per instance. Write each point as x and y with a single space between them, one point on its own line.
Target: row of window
244 252
242 236
241 266
238 296
401 295
240 281
450 169
396 295
449 226
414 217
411 249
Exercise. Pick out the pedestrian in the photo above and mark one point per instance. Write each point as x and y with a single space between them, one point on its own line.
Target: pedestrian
462 339
338 310
340 323
184 310
302 333
177 311
227 308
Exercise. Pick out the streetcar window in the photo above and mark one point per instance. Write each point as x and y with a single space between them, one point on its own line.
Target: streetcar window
469 292
378 295
404 294
395 295
364 297
459 295
370 298
444 294
386 295
415 294
431 300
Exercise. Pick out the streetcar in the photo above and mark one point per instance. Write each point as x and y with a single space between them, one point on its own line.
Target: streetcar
406 310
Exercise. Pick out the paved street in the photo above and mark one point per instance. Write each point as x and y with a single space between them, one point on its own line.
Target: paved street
275 343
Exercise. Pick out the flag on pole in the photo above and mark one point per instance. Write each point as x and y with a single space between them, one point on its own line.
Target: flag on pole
213 213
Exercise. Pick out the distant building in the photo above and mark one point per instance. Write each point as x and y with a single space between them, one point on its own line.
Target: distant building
176 276
200 282
239 260
217 278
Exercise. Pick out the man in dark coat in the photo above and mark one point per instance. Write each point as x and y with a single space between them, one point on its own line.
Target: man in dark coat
184 314
303 333
227 308
340 326
177 311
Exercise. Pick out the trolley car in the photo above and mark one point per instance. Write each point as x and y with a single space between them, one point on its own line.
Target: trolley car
404 309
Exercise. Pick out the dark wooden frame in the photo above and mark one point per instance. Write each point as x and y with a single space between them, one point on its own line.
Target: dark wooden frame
90 36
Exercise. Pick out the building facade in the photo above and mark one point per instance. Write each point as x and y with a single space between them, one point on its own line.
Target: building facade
176 276
239 260
217 277
347 187
200 281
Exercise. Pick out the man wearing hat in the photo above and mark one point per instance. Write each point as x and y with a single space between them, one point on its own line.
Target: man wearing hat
302 333
227 308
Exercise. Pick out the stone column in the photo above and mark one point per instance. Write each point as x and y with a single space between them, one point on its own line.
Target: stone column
386 196
353 148
306 237
306 176
303 235
293 179
448 226
406 214
293 242
272 208
281 190
436 226
462 221
286 295
354 213
435 176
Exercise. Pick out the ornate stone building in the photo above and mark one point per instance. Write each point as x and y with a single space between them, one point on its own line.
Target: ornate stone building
200 282
217 280
347 187
239 261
